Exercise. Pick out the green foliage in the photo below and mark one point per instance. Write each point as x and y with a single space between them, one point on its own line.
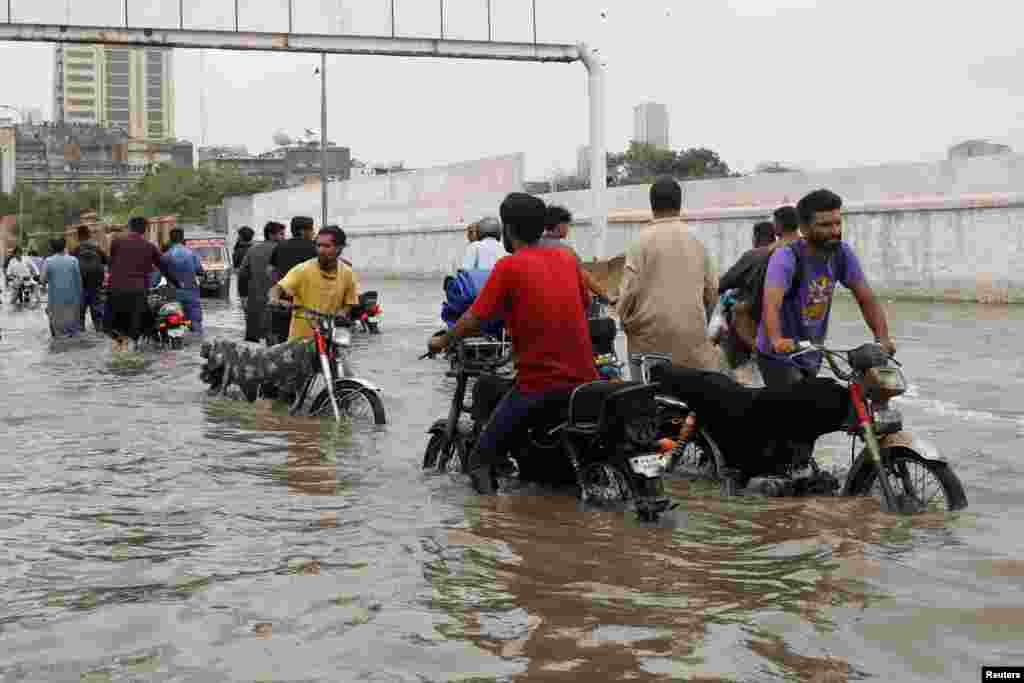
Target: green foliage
642 163
187 192
184 192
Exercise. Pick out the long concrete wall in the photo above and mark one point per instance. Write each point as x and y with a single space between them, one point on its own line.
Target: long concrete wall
955 249
947 230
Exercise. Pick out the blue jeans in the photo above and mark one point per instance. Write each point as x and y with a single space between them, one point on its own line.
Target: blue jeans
510 421
189 300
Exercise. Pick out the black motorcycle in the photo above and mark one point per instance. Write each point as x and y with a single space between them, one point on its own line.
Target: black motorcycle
601 438
743 437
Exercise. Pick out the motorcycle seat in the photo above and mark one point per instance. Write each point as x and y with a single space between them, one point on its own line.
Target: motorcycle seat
594 405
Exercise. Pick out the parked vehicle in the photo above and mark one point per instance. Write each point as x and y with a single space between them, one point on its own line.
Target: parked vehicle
325 375
601 440
212 250
719 438
367 312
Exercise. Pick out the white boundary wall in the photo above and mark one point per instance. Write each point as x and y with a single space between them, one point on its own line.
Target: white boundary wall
950 230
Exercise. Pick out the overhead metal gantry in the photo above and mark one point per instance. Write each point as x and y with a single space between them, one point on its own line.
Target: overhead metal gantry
392 46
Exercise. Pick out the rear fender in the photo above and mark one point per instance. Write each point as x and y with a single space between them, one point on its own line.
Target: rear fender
439 427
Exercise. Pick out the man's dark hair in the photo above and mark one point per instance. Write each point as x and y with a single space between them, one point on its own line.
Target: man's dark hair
340 239
137 224
300 224
787 218
57 245
666 195
556 215
764 233
177 236
245 233
83 233
524 215
271 227
819 200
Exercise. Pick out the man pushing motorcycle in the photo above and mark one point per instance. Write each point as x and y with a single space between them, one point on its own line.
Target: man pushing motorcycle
798 291
323 284
541 296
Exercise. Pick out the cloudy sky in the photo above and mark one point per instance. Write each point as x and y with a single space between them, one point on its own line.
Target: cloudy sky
818 84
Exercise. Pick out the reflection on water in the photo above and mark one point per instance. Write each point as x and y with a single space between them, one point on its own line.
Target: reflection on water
151 532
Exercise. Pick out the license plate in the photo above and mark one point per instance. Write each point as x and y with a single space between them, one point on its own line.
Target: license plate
647 465
176 332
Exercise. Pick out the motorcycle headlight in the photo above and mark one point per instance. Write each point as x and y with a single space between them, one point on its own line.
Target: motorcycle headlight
342 337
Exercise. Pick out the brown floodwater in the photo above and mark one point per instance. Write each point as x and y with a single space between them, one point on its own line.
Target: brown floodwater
150 532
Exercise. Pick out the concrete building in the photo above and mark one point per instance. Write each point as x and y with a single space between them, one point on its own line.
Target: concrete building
285 166
127 88
650 124
977 148
67 156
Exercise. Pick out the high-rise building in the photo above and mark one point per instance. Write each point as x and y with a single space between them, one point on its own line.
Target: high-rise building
650 124
128 88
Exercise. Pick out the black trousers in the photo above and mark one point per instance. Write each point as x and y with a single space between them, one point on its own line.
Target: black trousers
780 374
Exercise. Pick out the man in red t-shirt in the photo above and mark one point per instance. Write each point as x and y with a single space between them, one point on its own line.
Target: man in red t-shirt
541 296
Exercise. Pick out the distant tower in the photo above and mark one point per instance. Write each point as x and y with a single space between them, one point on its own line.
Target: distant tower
131 88
650 124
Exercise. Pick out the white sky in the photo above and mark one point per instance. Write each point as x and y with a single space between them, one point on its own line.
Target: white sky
819 84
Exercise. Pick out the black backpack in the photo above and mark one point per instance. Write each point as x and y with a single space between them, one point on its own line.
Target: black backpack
753 280
90 263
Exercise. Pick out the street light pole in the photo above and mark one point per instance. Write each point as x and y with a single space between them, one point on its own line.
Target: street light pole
323 138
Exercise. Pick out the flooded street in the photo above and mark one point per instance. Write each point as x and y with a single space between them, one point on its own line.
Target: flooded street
149 532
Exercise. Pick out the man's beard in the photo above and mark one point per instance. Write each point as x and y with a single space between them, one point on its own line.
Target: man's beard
327 264
828 244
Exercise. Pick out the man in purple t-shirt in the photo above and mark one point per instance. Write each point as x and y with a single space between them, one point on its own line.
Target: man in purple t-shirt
803 314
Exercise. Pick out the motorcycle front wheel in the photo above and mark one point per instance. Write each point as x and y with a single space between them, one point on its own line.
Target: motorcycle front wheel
920 485
360 404
452 456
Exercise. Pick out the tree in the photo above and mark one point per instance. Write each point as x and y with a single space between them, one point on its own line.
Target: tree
700 162
642 163
187 192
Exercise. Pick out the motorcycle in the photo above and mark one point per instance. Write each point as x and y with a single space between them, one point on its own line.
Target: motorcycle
26 291
906 473
252 365
367 312
601 438
169 323
603 330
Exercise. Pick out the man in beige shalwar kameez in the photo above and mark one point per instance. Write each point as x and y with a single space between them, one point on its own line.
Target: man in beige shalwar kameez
668 287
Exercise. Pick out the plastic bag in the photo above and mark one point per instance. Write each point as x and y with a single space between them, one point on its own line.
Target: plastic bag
717 326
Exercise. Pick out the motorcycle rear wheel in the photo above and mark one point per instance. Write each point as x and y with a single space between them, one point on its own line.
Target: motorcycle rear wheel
695 459
920 485
360 405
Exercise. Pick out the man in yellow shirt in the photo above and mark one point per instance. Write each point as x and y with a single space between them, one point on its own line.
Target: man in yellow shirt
324 284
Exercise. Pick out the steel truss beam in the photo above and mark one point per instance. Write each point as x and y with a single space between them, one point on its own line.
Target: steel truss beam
292 42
